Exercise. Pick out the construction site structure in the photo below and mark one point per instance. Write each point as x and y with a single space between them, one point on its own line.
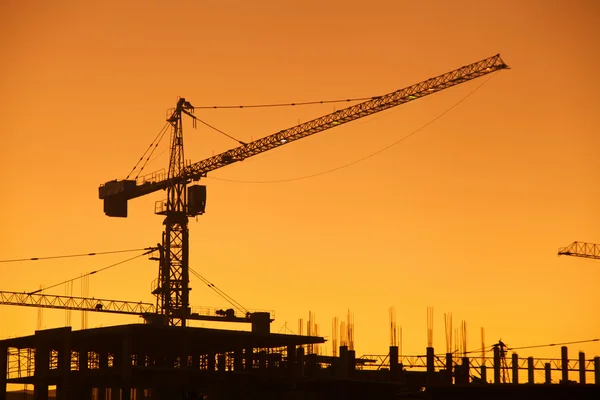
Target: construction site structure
581 249
150 361
172 287
166 359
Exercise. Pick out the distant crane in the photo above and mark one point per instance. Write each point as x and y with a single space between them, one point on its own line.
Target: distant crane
581 249
172 287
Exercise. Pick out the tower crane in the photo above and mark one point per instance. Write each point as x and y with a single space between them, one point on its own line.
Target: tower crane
581 249
172 286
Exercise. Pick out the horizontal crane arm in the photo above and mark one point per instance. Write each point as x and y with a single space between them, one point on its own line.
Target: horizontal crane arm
146 310
581 249
76 303
128 189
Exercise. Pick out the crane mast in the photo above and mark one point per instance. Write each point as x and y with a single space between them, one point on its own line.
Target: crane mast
172 291
172 288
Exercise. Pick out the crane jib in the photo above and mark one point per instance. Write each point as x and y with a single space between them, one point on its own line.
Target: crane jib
116 193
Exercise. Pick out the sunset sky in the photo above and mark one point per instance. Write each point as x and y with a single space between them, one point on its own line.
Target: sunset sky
465 216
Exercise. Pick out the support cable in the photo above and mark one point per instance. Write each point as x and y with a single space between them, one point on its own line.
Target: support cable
221 293
158 137
218 130
365 157
490 348
73 255
304 103
150 250
554 344
152 152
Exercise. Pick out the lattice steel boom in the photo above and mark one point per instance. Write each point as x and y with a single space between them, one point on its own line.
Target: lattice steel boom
76 303
142 309
581 249
130 189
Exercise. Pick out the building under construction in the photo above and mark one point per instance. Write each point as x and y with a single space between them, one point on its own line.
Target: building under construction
148 361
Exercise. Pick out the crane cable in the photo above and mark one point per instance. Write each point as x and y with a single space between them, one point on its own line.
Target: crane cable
365 157
149 250
72 255
151 147
490 348
554 344
164 131
221 293
305 103
220 131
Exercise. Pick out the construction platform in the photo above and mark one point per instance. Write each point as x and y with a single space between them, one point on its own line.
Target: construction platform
141 361
151 361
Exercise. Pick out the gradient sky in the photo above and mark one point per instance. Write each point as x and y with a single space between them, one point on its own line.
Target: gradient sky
465 216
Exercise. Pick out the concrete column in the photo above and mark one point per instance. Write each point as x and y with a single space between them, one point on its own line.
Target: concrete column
496 364
394 363
262 361
597 370
449 368
547 374
210 362
125 359
3 369
515 368
184 354
64 367
248 358
429 358
351 362
343 362
300 361
530 370
238 361
83 359
103 364
221 362
291 363
564 366
484 374
582 368
465 369
195 361
42 360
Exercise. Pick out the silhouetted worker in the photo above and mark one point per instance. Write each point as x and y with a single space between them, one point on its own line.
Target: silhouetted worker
501 348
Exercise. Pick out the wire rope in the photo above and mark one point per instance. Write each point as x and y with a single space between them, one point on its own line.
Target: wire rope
221 293
303 103
160 134
93 272
362 158
72 255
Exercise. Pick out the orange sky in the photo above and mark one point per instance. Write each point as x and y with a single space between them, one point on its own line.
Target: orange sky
465 216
